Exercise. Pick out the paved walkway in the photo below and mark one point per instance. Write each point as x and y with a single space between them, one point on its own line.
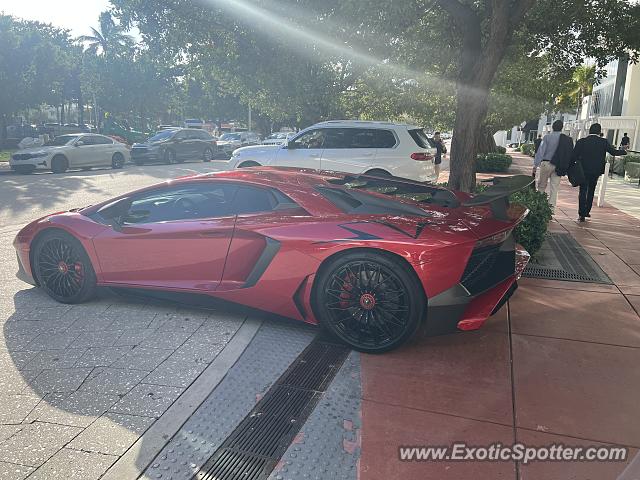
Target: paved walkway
559 365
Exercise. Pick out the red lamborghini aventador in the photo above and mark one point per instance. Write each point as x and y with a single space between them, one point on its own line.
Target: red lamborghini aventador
370 258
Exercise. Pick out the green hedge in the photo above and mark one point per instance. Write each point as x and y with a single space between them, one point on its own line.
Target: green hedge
632 171
531 232
493 162
500 149
527 149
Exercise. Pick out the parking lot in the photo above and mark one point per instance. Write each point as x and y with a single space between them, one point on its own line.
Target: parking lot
91 378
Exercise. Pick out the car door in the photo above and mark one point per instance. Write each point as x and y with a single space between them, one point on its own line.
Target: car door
105 148
171 237
86 152
350 150
303 151
180 144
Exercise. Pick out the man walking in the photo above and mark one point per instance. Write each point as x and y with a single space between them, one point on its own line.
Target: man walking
440 149
591 152
625 142
553 158
536 144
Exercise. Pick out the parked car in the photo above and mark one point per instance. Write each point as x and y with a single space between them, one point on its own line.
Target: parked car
278 138
230 141
193 123
75 150
378 148
175 146
328 249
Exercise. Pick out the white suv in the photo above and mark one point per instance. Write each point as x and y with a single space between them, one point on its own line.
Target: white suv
378 148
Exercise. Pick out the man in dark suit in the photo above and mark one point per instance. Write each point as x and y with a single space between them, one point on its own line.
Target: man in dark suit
591 153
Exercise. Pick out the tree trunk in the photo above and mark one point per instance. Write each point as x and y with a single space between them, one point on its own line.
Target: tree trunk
62 113
467 129
486 142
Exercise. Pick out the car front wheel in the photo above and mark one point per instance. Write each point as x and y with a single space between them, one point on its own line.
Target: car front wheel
248 164
59 164
207 156
370 301
63 268
117 161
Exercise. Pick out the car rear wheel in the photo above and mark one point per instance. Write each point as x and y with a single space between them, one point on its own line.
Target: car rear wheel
248 164
63 268
369 301
59 164
207 156
117 161
169 157
24 169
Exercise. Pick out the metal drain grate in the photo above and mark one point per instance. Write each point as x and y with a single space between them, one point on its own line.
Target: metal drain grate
562 258
254 448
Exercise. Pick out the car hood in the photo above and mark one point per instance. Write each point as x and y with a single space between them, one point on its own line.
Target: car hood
50 148
257 149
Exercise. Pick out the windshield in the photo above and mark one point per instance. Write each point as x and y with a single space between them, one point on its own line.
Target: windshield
165 134
230 136
61 140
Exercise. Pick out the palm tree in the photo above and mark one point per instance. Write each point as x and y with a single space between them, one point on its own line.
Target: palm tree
108 37
582 81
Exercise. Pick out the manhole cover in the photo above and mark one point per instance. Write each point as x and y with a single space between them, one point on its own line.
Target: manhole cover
562 258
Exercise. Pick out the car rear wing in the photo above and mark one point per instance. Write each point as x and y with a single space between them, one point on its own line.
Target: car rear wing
497 195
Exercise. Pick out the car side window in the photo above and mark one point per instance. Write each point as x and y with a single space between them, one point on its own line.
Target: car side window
182 135
310 139
258 200
184 202
383 138
85 140
100 140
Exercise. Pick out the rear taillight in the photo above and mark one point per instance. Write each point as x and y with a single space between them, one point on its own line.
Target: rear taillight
421 156
214 143
496 239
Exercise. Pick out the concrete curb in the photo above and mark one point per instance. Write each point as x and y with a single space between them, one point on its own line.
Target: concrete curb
135 461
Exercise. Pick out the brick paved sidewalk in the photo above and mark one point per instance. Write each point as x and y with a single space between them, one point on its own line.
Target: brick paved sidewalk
558 366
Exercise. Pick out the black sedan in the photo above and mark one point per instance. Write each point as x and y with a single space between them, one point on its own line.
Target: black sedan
175 146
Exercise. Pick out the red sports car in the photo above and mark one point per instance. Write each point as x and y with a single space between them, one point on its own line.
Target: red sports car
370 258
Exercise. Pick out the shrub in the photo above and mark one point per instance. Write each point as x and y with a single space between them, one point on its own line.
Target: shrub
500 149
527 149
632 171
531 232
493 162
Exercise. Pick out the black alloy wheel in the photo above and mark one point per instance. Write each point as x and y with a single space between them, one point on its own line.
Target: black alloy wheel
117 161
63 268
369 301
59 164
170 157
207 155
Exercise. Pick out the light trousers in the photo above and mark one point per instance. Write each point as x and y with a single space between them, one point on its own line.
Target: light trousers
548 175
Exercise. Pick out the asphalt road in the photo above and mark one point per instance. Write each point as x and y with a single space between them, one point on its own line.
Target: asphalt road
24 198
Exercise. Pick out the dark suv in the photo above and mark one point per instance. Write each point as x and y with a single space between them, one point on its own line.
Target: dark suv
175 146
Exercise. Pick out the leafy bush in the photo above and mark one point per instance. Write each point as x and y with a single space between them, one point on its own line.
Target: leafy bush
500 149
632 171
631 159
493 162
531 232
527 149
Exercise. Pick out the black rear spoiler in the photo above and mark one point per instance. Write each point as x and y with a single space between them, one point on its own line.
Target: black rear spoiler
497 195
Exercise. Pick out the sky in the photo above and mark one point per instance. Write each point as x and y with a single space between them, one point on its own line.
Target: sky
75 15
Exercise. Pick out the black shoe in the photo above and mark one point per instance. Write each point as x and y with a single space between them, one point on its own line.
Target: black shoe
588 215
581 219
